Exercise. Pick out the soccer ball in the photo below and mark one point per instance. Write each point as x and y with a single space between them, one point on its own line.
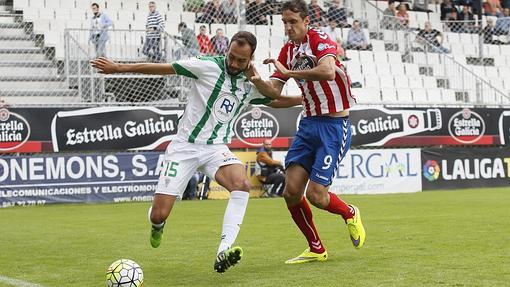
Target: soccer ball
124 273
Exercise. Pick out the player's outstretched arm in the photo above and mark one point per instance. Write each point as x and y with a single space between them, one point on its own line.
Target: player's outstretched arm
286 101
325 70
107 66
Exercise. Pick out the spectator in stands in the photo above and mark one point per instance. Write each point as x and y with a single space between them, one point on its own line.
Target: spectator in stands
389 16
465 14
99 24
213 13
421 6
204 42
220 42
468 20
492 8
503 23
189 41
269 171
447 8
356 39
432 39
257 12
403 16
489 32
317 15
155 26
452 23
337 13
229 8
332 31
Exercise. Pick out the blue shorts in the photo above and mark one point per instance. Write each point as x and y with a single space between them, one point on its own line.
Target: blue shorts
319 146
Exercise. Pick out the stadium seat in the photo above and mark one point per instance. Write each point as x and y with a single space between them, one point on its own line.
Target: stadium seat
383 69
401 82
366 56
411 69
386 81
415 82
389 95
371 81
420 96
394 57
465 38
470 49
378 46
381 58
429 82
397 69
419 58
368 68
367 95
434 96
499 60
448 95
353 55
491 72
404 95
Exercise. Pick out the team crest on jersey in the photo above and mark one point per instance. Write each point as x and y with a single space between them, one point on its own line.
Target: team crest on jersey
224 107
303 62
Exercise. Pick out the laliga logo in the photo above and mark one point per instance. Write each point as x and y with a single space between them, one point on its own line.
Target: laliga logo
431 170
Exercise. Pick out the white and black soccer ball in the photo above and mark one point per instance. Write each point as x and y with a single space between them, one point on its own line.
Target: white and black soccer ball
124 273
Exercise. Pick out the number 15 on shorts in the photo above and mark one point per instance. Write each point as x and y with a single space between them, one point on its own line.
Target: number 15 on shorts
170 169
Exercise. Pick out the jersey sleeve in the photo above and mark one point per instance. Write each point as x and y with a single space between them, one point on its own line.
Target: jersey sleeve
256 98
282 58
194 67
322 45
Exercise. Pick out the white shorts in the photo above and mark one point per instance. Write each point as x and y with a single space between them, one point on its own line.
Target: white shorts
183 159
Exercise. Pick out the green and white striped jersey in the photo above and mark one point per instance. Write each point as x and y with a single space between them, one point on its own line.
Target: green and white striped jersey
216 100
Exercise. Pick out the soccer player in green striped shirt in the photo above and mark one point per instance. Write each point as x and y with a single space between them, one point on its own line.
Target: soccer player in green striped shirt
220 90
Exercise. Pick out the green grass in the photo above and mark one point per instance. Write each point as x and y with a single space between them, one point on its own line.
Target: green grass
454 238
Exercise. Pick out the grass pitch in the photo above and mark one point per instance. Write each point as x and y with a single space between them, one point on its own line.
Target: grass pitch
444 238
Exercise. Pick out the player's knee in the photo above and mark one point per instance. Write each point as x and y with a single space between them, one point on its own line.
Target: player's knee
291 191
242 184
317 199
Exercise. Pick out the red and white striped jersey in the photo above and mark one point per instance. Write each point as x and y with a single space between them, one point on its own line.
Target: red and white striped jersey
319 97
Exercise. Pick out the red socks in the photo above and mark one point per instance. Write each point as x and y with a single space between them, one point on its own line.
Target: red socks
302 216
337 206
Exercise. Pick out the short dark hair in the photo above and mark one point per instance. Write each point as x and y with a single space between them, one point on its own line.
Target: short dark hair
391 2
182 25
245 37
296 6
94 4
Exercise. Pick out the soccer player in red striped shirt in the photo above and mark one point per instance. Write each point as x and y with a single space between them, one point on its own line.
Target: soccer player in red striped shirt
324 134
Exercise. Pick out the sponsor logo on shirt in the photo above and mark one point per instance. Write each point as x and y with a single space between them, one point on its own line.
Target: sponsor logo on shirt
324 46
224 107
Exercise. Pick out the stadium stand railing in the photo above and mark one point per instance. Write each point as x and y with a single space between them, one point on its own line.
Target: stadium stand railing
44 54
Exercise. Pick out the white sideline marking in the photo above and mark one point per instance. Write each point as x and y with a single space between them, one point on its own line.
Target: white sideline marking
17 283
